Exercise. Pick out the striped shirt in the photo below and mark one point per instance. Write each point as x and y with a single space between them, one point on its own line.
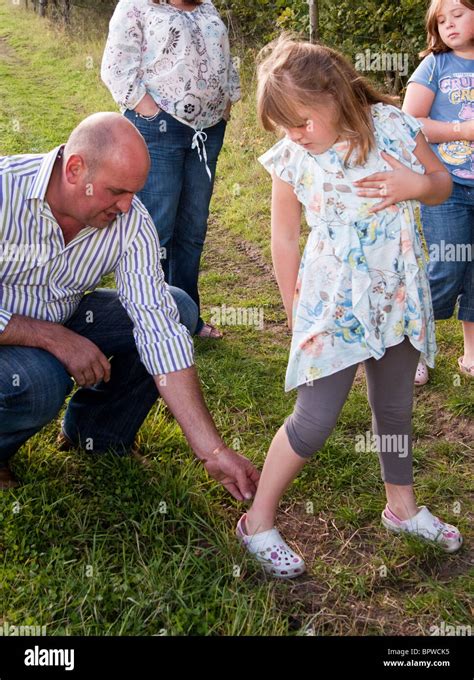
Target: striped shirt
45 279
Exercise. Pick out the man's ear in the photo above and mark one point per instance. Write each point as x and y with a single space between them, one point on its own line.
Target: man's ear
75 168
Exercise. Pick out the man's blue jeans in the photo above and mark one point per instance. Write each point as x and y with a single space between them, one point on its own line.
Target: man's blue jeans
177 194
34 384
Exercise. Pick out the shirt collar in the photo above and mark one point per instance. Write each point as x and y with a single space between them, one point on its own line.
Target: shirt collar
41 181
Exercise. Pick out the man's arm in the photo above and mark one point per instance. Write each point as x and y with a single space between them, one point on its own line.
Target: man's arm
167 352
182 393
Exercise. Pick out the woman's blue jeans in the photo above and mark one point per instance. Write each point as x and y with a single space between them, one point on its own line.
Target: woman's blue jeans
449 234
177 194
34 384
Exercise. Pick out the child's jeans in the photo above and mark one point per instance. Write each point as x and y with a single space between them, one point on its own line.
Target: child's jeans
390 391
449 234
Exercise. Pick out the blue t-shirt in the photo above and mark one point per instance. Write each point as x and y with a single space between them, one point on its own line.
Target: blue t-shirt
451 78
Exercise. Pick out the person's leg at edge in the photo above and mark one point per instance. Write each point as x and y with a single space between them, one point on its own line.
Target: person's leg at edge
466 300
192 215
451 224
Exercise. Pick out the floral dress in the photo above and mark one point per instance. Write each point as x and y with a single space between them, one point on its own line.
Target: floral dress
362 284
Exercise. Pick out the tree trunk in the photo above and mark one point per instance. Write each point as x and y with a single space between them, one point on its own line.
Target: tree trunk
66 11
313 20
42 7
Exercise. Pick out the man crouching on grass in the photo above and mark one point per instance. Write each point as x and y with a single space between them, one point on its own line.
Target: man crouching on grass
67 218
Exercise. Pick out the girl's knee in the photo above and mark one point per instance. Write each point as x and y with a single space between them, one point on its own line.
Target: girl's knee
305 438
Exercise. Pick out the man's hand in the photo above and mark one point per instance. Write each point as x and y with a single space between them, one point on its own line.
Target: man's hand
236 473
182 393
81 358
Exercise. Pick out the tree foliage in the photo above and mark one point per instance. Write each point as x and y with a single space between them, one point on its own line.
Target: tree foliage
352 26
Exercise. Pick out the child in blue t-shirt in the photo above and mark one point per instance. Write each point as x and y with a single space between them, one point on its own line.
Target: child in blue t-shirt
441 95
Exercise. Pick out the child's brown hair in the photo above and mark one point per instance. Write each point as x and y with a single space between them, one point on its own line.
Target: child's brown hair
293 73
435 45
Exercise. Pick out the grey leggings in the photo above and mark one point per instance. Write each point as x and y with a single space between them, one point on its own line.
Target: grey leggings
390 392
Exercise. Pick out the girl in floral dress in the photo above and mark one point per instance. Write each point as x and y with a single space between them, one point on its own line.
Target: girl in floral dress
359 167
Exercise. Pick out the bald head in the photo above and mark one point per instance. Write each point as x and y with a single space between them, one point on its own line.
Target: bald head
108 138
104 164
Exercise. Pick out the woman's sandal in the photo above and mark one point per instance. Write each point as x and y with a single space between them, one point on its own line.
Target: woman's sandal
421 375
465 369
426 526
269 548
208 331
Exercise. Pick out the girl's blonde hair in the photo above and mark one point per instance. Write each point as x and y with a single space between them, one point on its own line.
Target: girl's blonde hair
293 73
435 45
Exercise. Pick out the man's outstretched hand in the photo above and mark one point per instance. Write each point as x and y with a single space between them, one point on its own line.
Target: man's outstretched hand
238 475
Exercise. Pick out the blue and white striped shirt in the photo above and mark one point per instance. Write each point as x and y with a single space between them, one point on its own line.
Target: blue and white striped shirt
45 279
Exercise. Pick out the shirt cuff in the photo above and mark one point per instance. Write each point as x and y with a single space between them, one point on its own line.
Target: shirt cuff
4 319
167 356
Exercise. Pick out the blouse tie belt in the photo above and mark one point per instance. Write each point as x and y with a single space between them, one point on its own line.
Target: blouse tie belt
200 135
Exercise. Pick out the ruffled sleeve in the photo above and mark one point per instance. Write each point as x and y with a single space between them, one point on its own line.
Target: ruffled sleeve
396 133
286 160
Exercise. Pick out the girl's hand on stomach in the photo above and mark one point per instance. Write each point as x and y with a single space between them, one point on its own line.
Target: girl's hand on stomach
393 186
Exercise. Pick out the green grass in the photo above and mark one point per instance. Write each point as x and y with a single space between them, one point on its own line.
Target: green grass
100 545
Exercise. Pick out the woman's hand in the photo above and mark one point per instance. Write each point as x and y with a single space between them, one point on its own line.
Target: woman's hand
226 114
147 107
399 184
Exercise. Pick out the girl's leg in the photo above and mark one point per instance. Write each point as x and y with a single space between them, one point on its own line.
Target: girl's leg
316 412
448 229
390 392
468 329
281 467
466 300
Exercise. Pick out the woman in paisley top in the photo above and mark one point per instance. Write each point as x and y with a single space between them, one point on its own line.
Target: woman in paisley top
358 167
169 68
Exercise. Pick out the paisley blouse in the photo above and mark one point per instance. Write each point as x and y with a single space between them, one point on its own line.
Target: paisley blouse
181 58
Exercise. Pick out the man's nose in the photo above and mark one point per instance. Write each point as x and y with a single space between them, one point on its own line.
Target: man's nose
124 203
